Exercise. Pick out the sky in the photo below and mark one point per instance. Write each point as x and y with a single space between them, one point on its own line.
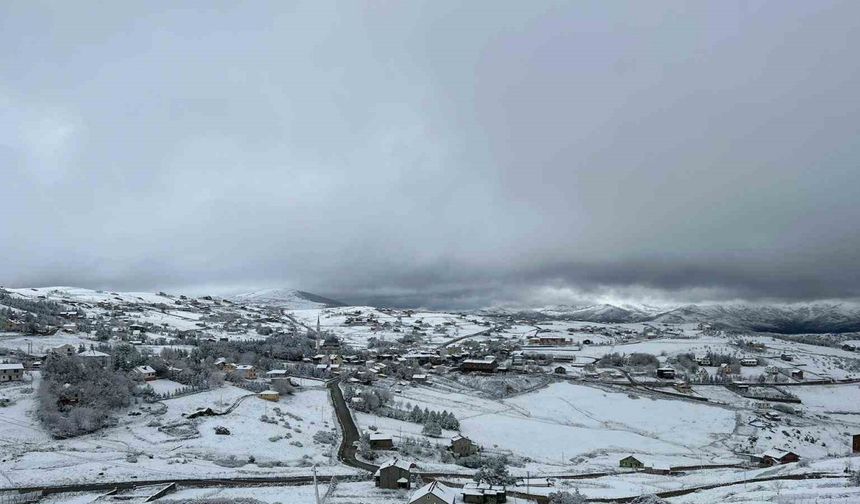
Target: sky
439 153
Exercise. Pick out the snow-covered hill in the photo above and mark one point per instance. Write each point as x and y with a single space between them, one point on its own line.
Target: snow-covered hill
290 299
785 318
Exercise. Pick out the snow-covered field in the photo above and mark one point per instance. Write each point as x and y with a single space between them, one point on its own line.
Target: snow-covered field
161 442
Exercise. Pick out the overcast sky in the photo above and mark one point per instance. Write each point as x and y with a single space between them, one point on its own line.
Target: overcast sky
434 153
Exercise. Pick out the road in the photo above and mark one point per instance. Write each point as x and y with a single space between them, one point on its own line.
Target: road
349 431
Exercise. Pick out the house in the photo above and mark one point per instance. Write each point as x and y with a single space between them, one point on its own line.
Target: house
777 457
67 350
486 365
393 474
381 441
560 370
269 395
797 374
145 372
549 341
99 358
703 361
220 362
483 493
462 446
246 371
433 493
631 462
855 443
749 361
666 372
419 378
786 357
137 328
11 372
277 374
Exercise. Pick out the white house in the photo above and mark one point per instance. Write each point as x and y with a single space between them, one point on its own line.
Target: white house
11 372
145 372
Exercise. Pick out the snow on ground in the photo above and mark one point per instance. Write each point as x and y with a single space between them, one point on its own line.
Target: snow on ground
164 386
42 344
162 443
438 327
564 421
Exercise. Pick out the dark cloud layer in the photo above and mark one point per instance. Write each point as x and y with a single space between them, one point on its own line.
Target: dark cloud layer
434 153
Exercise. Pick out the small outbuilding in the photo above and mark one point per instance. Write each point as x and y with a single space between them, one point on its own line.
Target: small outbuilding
381 442
270 395
483 493
855 443
560 370
666 372
631 462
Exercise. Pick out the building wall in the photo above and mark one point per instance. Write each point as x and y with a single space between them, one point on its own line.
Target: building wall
388 477
428 499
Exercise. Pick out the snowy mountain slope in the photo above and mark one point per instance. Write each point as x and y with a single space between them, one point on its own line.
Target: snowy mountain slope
286 298
788 318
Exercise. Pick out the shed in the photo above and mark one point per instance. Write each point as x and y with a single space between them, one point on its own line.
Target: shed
270 395
665 372
381 442
631 462
855 443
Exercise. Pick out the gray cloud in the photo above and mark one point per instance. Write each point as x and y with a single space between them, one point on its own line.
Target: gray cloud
434 153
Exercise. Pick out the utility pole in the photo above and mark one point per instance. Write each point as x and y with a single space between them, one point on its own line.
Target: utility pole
316 487
528 484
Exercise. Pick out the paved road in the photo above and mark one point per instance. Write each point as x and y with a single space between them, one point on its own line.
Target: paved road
346 452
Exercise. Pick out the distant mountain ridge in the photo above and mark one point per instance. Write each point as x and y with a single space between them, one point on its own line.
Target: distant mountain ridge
788 319
286 298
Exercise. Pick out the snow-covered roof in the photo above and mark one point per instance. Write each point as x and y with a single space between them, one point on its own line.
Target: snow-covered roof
485 360
144 369
11 365
269 392
378 437
437 489
775 454
395 462
93 353
244 367
276 372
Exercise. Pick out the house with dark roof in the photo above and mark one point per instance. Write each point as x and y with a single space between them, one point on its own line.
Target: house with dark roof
393 474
